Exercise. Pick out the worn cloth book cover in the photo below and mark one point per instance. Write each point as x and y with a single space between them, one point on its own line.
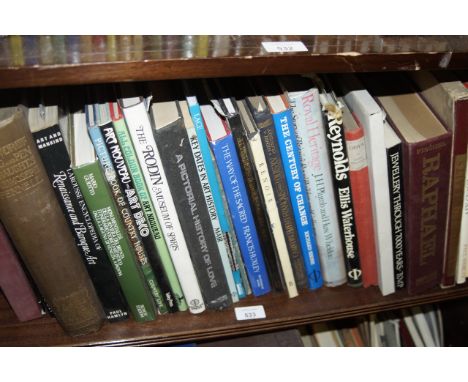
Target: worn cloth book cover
162 255
54 155
52 258
95 120
223 146
426 173
106 219
303 98
139 126
14 283
177 159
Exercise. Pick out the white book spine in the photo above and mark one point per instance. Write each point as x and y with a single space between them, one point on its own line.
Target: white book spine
259 160
207 193
148 155
318 179
462 261
372 120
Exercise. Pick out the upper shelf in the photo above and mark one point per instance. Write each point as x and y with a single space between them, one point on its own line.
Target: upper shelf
28 61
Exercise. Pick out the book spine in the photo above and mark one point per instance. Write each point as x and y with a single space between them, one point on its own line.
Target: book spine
177 160
107 222
456 191
162 252
426 175
208 194
462 265
124 211
228 234
319 185
149 257
300 202
236 195
54 156
397 209
340 169
266 241
359 177
269 201
14 282
280 189
139 126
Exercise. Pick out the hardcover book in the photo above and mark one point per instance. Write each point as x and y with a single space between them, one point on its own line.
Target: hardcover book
448 98
170 131
14 282
161 262
340 169
268 197
43 123
139 126
28 207
222 144
97 119
426 171
303 97
106 219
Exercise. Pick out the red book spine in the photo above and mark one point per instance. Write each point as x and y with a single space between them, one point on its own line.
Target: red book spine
426 175
14 282
359 176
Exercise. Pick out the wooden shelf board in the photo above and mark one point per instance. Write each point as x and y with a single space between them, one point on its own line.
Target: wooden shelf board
325 304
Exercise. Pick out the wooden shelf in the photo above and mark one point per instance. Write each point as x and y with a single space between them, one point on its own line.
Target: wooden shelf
55 60
282 312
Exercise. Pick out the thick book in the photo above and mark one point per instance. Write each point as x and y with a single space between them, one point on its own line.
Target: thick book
265 125
97 119
221 93
14 282
224 150
44 124
105 215
259 161
29 208
161 261
426 171
397 203
359 176
343 195
141 133
371 117
210 182
285 133
170 132
303 97
448 98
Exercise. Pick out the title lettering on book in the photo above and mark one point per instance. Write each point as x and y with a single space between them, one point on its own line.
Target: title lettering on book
19 170
430 194
335 136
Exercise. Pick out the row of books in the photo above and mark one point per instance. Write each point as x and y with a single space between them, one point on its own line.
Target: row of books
415 327
191 195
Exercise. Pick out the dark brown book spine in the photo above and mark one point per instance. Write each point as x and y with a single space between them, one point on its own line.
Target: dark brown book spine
426 175
29 209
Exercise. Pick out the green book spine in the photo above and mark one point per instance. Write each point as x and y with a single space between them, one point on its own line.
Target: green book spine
131 160
110 228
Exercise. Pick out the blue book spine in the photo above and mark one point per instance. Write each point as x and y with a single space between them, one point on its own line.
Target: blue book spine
236 194
212 180
284 127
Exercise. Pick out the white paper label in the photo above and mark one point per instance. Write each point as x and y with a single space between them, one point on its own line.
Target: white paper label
250 313
284 46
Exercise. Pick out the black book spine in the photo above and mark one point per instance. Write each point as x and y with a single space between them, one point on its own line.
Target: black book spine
397 210
266 240
266 127
339 164
56 161
182 177
139 219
